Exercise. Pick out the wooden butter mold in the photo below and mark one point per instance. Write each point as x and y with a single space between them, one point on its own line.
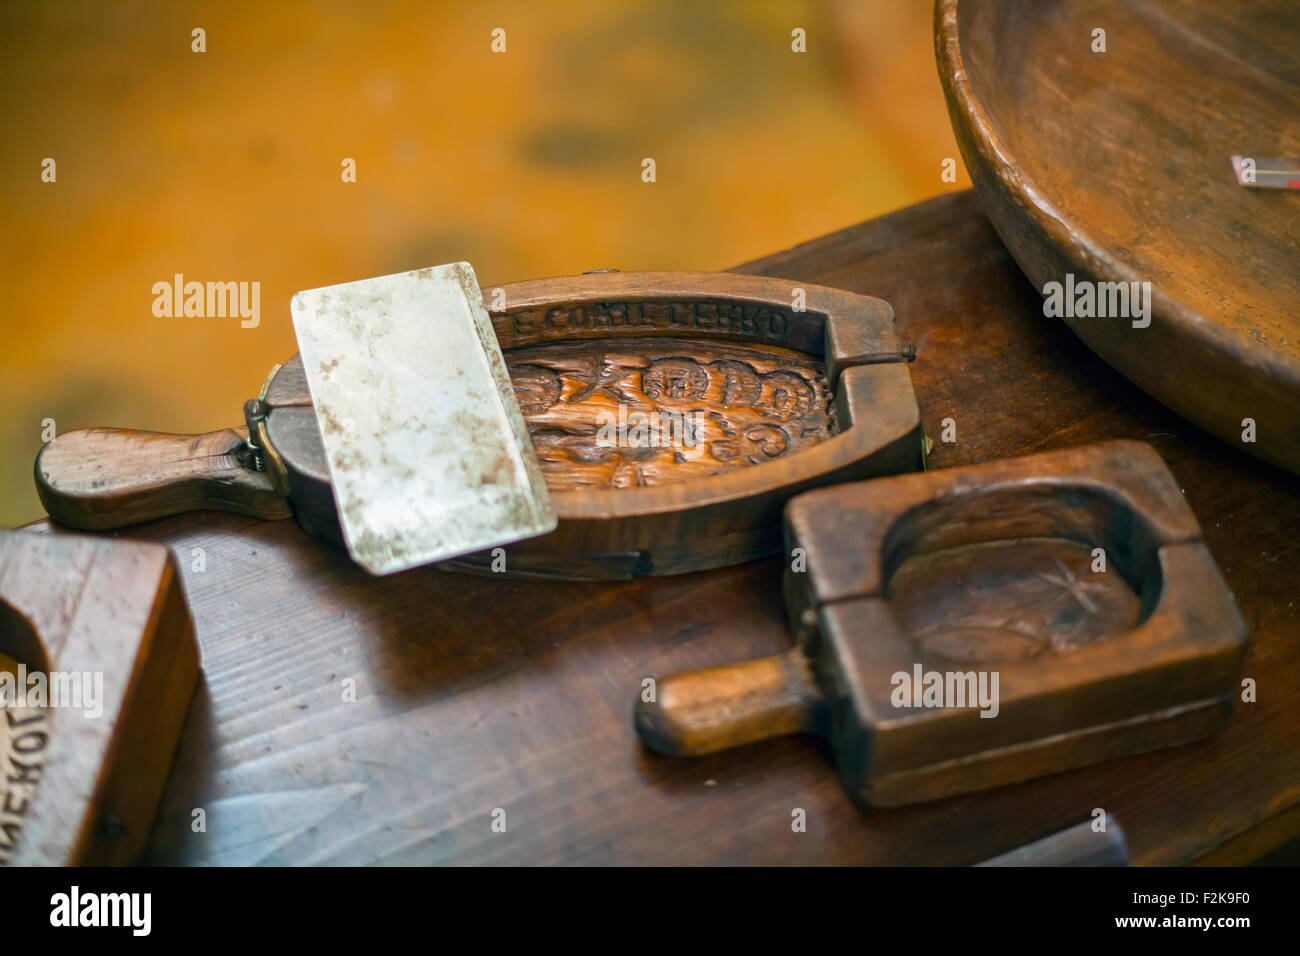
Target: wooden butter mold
774 387
82 784
982 569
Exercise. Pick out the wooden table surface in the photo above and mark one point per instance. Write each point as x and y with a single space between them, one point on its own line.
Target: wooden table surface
473 694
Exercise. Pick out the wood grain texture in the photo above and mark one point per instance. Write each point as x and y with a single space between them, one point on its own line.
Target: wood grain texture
1115 167
474 694
716 708
82 782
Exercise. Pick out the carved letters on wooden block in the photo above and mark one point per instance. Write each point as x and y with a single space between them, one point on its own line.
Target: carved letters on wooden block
98 661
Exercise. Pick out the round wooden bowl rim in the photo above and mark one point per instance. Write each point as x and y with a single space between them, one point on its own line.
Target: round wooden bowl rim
1238 349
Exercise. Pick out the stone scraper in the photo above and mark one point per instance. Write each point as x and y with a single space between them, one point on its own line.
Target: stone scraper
427 448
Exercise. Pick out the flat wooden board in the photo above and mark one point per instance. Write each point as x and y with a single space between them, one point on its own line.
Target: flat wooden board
473 694
1114 165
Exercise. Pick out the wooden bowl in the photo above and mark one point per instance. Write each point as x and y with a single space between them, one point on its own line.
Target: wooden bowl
1115 167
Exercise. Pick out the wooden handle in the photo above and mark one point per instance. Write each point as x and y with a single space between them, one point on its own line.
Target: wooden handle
99 478
703 711
1080 845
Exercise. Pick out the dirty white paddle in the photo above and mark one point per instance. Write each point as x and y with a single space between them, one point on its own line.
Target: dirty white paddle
428 453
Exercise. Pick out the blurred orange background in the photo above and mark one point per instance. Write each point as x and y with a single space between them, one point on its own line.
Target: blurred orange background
225 166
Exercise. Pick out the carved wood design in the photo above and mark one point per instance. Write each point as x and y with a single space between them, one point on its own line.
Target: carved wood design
24 741
610 414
